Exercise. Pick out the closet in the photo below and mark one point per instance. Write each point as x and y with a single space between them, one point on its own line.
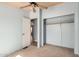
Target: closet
60 31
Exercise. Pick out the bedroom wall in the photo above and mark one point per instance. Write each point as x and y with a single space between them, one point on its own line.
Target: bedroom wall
10 29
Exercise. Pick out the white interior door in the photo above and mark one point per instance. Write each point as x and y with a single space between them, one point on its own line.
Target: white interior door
26 32
53 34
67 35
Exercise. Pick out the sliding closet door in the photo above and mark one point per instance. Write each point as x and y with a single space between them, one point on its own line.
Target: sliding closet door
67 30
26 32
53 34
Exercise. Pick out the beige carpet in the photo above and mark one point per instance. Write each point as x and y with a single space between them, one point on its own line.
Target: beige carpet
46 51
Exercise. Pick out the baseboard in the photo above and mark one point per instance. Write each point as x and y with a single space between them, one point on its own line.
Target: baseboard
25 47
58 45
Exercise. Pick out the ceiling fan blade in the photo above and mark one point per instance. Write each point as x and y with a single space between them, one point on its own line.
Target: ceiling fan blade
25 6
42 7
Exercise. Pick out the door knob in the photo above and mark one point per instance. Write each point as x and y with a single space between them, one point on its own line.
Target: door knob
23 34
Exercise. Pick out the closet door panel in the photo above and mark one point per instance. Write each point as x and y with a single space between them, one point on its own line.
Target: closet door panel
67 30
53 34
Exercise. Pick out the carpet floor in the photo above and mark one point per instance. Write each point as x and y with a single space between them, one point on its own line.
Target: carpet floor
46 51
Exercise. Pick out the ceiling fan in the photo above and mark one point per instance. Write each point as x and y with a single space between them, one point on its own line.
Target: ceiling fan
34 5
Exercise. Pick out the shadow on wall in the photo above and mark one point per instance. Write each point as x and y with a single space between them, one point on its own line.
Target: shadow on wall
44 31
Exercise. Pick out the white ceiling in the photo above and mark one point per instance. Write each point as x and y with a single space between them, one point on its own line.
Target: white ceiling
20 4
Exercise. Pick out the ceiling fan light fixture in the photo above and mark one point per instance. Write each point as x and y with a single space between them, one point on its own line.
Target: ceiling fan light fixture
33 8
34 5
